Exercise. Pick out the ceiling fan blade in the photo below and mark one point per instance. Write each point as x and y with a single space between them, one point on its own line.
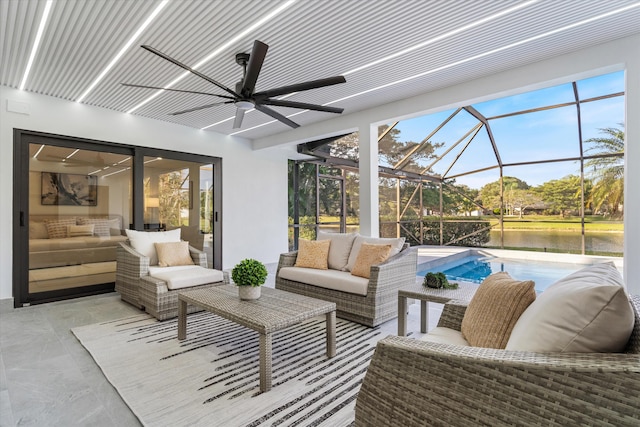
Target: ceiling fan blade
177 90
313 84
186 67
303 105
200 108
237 122
256 59
277 116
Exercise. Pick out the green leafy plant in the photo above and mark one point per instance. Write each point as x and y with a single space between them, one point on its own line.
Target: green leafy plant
437 281
249 272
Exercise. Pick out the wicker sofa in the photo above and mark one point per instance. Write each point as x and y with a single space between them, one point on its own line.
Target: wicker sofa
380 303
138 287
415 383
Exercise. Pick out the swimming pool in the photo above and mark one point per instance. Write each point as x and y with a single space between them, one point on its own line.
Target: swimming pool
476 268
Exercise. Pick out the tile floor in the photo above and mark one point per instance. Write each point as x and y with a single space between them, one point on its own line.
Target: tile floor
48 379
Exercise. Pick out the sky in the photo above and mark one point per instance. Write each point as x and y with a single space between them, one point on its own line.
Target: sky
542 135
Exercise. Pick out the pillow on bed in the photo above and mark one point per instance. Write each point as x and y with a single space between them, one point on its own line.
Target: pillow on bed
80 230
171 254
102 226
38 230
144 241
57 228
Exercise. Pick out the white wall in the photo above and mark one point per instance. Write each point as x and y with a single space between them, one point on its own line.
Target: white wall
254 184
617 55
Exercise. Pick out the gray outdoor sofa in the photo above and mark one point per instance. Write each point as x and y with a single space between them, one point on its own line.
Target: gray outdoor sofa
415 383
380 303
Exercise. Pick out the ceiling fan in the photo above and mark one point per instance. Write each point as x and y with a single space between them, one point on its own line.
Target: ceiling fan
244 97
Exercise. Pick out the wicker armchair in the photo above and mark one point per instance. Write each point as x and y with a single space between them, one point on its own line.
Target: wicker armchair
416 383
148 293
381 302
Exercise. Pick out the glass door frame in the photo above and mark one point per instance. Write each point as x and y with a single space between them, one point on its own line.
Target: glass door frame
22 138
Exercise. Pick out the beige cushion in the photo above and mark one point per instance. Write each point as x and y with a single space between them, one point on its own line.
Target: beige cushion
57 228
328 279
339 249
445 336
38 230
369 255
171 254
102 226
313 253
80 230
184 277
396 247
144 241
587 311
495 309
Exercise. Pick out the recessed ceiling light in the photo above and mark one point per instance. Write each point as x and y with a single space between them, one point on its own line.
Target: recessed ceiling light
35 156
72 154
219 50
127 45
36 42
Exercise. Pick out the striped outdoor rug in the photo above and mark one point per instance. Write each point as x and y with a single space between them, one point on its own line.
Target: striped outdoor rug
212 378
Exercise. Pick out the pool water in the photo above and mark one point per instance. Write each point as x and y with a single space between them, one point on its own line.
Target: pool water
476 268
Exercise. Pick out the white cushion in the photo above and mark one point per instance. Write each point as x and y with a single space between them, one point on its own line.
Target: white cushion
396 247
445 336
587 311
186 276
328 279
144 241
340 248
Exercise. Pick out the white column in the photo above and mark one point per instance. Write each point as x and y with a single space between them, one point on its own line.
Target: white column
368 163
632 177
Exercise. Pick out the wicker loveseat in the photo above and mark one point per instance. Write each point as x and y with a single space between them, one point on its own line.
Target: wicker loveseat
380 303
152 294
415 383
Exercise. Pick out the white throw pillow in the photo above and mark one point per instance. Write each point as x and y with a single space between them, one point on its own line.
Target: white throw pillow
396 247
339 249
587 311
144 241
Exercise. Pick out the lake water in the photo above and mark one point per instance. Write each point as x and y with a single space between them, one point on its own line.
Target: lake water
561 240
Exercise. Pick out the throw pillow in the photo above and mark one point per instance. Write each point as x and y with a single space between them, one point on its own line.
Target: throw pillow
57 228
587 311
143 241
339 249
80 230
369 255
313 254
38 230
102 226
173 253
494 310
396 247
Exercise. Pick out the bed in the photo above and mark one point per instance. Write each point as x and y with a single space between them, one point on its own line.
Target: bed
72 251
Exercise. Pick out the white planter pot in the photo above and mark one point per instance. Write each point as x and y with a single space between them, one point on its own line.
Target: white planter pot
248 293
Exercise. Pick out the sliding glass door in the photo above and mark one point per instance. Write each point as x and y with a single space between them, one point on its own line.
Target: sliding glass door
73 200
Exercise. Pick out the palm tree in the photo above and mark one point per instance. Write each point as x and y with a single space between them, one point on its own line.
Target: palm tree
607 173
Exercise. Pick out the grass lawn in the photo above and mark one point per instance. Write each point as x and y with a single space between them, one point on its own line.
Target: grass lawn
540 222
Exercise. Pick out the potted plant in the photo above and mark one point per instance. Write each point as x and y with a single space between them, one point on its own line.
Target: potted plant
249 274
437 281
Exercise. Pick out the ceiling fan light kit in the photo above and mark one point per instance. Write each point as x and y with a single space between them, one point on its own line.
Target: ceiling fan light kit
244 96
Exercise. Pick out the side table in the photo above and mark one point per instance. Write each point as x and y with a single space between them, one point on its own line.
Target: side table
426 295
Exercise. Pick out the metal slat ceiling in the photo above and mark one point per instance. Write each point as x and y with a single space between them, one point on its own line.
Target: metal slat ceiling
308 40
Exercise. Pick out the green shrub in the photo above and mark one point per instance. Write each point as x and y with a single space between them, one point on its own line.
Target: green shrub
249 272
437 281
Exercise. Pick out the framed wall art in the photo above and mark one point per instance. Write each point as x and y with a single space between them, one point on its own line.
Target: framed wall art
69 189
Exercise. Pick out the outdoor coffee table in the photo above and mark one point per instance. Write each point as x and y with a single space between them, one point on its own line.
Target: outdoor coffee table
274 311
426 295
